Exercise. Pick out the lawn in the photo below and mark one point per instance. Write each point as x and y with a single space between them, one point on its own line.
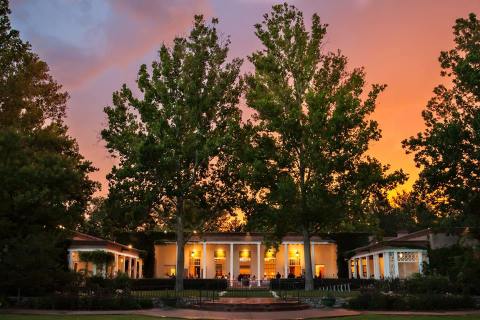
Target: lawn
390 317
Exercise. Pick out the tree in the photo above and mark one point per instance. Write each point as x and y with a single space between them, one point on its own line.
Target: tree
45 184
173 143
448 150
305 162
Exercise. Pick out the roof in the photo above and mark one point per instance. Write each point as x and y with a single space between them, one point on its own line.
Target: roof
82 240
414 240
246 237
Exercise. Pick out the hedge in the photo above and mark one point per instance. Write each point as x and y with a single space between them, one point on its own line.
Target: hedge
420 302
89 302
296 284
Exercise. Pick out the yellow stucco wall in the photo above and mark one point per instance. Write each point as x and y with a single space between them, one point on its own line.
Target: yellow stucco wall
165 258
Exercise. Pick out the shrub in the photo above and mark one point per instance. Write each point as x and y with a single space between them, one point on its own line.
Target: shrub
90 302
429 284
380 301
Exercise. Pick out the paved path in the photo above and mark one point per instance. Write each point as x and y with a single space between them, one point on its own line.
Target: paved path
213 315
216 315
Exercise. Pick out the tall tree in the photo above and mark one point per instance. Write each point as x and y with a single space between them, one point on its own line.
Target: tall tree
448 150
45 185
173 142
306 163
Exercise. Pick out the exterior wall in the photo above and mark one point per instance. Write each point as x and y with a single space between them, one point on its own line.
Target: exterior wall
165 259
326 254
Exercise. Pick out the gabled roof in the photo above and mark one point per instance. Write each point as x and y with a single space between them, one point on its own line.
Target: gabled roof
414 240
82 240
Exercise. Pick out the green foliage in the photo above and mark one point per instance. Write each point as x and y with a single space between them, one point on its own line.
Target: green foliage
304 157
97 257
45 185
173 143
461 265
420 302
447 150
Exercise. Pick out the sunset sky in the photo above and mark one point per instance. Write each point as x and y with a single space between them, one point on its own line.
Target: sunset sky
94 46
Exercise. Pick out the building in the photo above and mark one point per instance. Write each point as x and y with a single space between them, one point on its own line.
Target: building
400 256
126 259
228 255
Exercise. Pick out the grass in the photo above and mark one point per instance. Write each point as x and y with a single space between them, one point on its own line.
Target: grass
390 317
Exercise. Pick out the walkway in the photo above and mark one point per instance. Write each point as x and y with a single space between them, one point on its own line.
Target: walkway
211 315
199 314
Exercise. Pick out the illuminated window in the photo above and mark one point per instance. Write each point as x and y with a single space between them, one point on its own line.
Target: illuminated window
352 266
294 267
269 265
244 258
364 267
320 270
194 265
219 257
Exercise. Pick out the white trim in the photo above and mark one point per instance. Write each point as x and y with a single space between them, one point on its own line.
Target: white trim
285 260
388 250
231 261
243 242
204 260
107 250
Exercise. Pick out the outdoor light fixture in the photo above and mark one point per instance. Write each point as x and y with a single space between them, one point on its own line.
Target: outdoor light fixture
130 246
297 253
400 255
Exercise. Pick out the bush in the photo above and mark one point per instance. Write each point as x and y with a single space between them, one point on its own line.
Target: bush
91 302
380 301
429 284
188 284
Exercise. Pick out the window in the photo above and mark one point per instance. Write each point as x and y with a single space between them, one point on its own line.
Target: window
320 271
294 268
364 267
219 257
269 264
194 265
352 267
245 258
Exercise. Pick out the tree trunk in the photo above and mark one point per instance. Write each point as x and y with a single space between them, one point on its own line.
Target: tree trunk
308 260
180 248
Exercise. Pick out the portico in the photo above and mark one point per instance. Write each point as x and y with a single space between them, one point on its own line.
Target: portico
126 259
230 255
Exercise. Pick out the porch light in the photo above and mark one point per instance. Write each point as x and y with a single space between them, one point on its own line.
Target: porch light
297 253
193 253
130 246
195 231
400 255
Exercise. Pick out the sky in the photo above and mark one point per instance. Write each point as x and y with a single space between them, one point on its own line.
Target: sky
95 46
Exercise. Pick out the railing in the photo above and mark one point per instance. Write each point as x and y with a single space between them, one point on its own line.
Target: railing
245 283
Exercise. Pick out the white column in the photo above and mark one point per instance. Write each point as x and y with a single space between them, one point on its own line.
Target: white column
94 270
420 262
115 266
286 260
204 260
386 265
141 268
134 268
367 265
355 265
70 260
231 261
349 268
360 267
258 264
176 257
376 266
395 265
312 254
